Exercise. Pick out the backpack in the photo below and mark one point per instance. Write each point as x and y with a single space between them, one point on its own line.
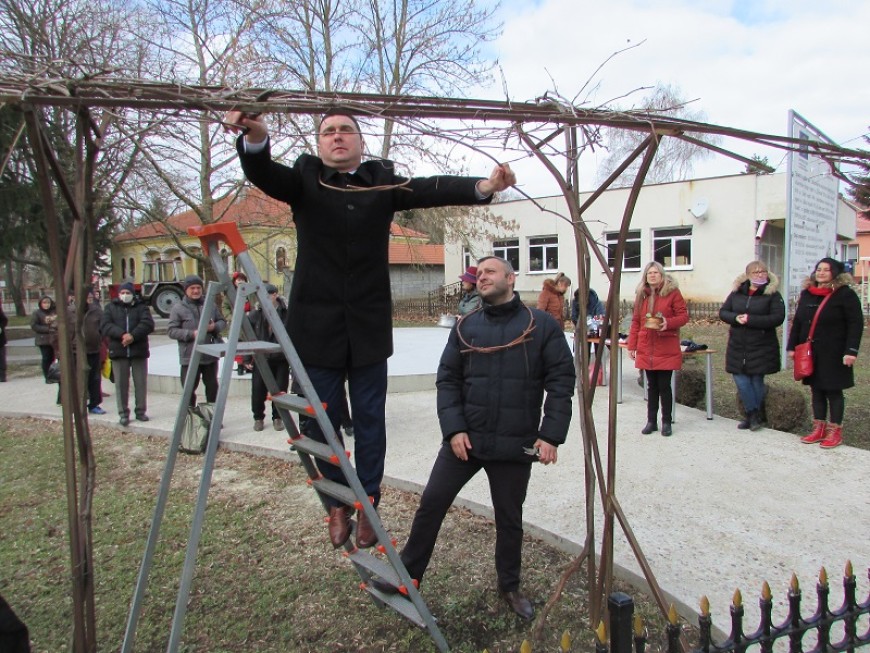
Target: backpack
194 434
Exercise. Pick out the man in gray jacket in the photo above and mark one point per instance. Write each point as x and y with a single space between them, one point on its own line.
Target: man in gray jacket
505 383
183 323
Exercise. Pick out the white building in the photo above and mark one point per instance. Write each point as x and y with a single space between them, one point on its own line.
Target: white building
703 231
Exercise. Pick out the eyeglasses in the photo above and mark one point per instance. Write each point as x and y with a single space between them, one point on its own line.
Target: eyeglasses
759 273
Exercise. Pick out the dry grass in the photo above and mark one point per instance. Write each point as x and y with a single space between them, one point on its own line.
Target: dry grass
266 578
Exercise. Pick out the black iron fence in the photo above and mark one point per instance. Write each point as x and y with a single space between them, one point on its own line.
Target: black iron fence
627 635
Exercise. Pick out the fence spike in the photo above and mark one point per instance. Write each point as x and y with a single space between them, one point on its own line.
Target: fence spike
601 632
795 585
849 570
525 647
672 615
765 591
638 626
823 576
705 606
737 601
565 643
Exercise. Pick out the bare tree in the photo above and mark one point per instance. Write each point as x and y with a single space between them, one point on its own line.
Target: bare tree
675 157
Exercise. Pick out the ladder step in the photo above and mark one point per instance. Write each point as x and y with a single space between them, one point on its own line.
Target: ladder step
400 604
376 565
335 490
317 449
295 403
242 347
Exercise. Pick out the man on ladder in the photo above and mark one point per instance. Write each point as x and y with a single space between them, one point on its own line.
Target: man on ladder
340 302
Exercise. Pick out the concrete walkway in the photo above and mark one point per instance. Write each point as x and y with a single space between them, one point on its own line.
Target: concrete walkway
715 509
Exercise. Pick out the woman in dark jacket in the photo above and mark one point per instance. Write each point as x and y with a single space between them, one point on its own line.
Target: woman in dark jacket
835 346
44 325
753 309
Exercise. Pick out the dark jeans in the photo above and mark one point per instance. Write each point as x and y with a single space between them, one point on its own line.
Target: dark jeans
368 399
2 362
750 387
281 371
47 352
208 374
95 381
508 482
824 398
658 389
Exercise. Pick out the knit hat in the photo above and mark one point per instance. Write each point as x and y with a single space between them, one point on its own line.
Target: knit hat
271 288
470 274
837 267
127 285
191 280
240 275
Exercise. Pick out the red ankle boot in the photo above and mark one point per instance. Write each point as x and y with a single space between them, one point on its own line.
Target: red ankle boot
833 436
817 434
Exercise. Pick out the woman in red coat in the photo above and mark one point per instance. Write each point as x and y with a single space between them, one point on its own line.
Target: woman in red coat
654 341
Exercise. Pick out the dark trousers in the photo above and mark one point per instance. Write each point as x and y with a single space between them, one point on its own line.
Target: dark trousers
95 380
659 390
2 362
47 352
824 398
508 482
208 374
368 401
281 371
122 368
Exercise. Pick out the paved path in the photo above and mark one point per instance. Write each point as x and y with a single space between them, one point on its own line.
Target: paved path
714 508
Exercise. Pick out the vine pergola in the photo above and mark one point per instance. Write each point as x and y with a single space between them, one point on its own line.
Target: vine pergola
531 128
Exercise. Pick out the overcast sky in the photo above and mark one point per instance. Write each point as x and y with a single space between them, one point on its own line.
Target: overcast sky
747 63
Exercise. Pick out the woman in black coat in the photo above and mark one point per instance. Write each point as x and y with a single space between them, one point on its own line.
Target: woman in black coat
835 346
753 309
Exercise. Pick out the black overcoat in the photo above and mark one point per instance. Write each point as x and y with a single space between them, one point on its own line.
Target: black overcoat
837 334
133 318
753 348
340 300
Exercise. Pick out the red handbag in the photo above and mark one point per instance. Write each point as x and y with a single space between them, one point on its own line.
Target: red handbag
803 353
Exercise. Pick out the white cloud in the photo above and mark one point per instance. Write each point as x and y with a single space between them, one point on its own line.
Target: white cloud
747 63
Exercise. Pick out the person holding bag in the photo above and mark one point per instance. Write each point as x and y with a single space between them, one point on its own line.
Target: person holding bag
828 315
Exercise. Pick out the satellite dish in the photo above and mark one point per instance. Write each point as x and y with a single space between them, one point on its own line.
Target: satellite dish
699 209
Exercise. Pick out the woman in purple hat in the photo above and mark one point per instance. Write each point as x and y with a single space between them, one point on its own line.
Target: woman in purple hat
470 300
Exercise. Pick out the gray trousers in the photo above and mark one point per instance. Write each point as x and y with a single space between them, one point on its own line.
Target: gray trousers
121 369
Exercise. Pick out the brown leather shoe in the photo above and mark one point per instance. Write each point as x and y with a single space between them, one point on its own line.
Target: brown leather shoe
519 604
339 525
365 535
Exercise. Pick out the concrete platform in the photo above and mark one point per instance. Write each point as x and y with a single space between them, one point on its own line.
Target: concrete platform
715 509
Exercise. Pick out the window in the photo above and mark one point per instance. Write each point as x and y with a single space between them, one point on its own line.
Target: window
673 247
509 250
631 256
123 269
280 259
467 259
544 254
132 268
849 255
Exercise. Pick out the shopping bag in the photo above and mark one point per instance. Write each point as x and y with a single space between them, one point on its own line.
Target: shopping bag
197 423
106 370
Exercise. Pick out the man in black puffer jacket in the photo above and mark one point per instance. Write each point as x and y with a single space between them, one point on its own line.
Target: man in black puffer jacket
495 370
126 324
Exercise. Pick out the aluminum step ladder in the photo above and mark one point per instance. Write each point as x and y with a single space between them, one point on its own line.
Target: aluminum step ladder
388 565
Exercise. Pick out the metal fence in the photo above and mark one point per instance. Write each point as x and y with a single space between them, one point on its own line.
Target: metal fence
627 636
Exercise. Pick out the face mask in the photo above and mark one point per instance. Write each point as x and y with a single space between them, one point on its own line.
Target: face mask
127 298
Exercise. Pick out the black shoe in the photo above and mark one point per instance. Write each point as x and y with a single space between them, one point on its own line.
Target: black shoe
124 421
383 586
755 421
649 428
744 423
143 418
666 429
519 604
